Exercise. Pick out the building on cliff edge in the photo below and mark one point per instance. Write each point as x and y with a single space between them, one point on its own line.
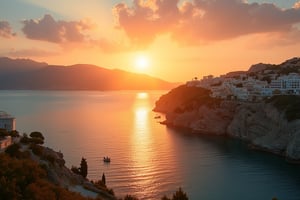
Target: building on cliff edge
7 121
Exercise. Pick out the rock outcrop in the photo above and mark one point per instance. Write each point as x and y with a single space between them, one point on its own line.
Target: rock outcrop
272 125
60 175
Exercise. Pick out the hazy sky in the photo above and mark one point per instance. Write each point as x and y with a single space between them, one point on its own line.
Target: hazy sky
179 39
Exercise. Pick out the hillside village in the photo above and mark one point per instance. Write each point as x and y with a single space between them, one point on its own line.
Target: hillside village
259 82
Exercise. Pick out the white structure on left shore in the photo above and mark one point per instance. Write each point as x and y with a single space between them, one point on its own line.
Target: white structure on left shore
7 121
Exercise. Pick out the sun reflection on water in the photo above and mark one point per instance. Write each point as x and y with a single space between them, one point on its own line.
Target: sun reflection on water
142 152
142 95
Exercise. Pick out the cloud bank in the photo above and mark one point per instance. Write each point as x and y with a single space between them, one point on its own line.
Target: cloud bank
5 30
33 52
201 21
297 5
68 34
47 29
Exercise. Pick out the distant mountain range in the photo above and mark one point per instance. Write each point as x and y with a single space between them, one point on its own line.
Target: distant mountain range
289 66
25 74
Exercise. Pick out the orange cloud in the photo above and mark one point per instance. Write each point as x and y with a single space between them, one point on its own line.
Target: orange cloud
297 5
47 29
5 30
201 21
69 34
34 52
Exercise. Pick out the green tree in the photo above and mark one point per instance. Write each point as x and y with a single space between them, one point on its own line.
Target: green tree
75 170
3 132
83 168
165 198
103 179
13 150
36 140
130 197
37 134
180 195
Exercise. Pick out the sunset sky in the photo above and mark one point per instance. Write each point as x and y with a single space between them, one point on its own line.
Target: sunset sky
175 40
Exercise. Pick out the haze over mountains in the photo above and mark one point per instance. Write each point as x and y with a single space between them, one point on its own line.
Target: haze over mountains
24 74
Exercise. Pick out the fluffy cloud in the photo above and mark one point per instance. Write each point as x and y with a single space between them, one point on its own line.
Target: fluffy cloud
69 34
34 52
198 21
48 29
297 5
5 30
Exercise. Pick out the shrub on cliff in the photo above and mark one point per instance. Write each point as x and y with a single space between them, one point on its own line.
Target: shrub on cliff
34 138
37 137
75 170
130 197
185 98
13 150
37 134
288 104
82 170
26 179
36 149
178 195
3 132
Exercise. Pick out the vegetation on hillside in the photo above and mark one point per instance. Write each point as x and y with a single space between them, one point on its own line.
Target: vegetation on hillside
25 178
82 170
22 178
178 195
185 98
288 104
4 132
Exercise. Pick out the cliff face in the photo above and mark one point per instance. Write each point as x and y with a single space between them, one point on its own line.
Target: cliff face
265 125
268 128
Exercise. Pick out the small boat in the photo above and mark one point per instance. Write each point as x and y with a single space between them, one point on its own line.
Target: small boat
106 159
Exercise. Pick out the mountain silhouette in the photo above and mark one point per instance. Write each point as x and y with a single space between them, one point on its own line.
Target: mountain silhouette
24 74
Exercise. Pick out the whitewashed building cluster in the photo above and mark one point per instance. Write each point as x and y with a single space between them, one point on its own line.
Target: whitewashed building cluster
244 87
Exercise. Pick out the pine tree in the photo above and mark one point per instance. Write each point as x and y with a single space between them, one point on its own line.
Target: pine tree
180 195
83 168
103 179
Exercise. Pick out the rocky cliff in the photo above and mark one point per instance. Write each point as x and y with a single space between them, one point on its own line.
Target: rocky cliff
272 125
61 176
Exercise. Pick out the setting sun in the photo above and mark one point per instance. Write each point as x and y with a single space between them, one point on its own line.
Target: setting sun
141 62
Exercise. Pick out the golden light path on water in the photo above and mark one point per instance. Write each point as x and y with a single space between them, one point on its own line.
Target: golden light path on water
141 143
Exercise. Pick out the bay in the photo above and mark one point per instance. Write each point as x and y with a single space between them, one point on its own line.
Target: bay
149 160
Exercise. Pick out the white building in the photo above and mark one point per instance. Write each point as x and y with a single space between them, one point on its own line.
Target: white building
287 84
7 121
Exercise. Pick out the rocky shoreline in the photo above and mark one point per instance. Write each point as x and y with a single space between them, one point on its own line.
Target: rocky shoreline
264 125
62 176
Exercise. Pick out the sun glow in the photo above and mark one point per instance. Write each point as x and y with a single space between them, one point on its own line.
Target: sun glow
142 63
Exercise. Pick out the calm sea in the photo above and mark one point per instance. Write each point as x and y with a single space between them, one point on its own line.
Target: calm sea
148 159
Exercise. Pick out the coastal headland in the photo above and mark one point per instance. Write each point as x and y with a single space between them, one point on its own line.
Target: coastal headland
268 122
